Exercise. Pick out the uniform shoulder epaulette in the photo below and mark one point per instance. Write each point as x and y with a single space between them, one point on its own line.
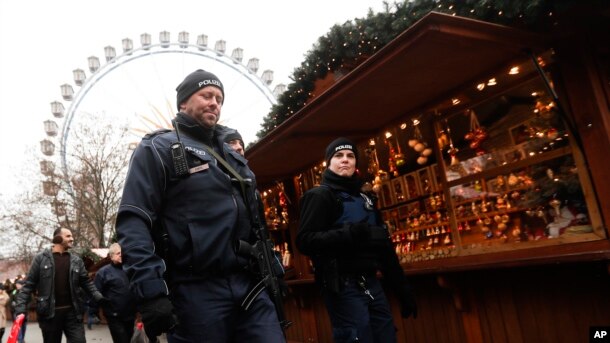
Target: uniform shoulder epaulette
155 133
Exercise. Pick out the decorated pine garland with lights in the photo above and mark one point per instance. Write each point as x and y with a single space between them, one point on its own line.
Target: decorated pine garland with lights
345 46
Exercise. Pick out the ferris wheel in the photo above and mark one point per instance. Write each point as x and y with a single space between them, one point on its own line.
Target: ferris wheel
137 88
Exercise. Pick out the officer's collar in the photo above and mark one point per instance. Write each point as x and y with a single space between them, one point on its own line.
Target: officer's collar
193 129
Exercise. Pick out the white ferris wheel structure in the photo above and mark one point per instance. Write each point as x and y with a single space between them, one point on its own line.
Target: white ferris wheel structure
137 88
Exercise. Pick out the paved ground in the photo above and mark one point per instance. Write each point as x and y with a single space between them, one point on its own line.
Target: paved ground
99 333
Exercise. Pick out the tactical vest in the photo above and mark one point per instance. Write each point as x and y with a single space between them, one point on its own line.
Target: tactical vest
356 209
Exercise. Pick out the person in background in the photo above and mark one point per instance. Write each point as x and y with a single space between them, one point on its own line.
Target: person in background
120 309
4 299
18 285
8 286
179 196
56 275
341 230
235 142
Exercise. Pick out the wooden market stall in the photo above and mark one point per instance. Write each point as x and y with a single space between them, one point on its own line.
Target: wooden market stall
486 146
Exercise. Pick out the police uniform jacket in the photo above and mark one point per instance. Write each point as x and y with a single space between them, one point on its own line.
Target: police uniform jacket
113 283
41 278
203 213
328 214
325 231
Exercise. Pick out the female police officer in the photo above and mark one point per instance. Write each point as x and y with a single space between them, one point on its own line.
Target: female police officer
342 233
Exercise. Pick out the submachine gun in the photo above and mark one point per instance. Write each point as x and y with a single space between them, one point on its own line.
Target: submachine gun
268 266
270 271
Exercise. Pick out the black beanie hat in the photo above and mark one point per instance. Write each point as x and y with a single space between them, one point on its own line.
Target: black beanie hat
232 136
195 81
340 143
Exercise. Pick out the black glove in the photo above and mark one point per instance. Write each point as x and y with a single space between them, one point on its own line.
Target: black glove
408 306
360 232
157 316
100 300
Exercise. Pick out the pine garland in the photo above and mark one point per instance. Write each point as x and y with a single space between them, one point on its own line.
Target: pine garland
345 46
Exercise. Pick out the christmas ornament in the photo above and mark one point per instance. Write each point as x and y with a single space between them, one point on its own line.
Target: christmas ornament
555 204
447 240
373 167
516 231
443 139
545 110
513 180
452 151
477 134
398 156
391 154
371 153
417 143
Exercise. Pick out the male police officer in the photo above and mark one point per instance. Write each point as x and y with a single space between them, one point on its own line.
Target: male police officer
177 189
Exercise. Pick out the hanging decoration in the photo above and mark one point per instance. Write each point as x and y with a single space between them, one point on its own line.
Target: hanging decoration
452 151
418 144
373 162
545 110
477 134
391 154
399 157
443 139
373 167
556 204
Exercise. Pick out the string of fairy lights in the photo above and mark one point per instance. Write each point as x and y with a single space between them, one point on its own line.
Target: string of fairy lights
345 46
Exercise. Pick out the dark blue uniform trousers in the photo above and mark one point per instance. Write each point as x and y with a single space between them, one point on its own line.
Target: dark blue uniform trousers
358 317
209 311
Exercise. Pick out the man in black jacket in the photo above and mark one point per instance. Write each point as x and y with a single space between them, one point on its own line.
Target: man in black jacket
120 309
178 191
56 275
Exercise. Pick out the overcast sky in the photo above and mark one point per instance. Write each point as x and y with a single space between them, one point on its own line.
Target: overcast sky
42 42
